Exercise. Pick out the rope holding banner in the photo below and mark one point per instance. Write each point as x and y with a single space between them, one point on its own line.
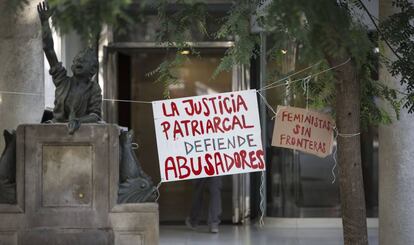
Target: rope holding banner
267 105
305 86
334 155
336 149
262 176
289 76
262 203
129 101
104 99
281 82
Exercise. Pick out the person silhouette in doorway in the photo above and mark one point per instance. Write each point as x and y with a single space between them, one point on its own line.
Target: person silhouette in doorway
214 185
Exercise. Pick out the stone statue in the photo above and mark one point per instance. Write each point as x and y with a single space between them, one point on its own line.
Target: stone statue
8 169
134 184
78 99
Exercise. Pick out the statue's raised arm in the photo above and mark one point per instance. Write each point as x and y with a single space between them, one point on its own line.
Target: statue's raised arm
44 15
78 99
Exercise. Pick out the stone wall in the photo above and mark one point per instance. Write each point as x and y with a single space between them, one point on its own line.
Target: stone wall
21 67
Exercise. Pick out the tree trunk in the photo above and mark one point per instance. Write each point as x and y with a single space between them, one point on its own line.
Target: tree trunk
349 153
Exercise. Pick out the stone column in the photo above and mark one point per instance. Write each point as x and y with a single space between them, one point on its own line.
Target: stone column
396 167
21 67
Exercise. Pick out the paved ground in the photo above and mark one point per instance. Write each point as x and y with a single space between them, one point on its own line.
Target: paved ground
246 235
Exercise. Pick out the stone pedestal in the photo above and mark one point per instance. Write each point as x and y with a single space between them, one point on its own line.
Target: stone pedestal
67 190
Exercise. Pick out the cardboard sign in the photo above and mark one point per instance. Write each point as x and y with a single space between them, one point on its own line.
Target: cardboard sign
304 130
210 135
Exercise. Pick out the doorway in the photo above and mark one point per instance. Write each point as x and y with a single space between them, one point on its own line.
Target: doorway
130 69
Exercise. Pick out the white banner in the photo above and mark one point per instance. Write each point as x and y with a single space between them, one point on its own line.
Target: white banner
210 135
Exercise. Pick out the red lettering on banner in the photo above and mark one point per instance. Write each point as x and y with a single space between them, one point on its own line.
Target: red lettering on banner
189 107
221 111
193 169
177 130
217 123
215 105
213 164
210 127
241 103
285 116
252 159
209 169
165 126
212 100
195 130
237 122
226 127
185 123
241 124
260 156
243 155
226 106
174 110
170 165
304 131
296 129
303 143
182 166
219 162
208 135
229 162
207 111
245 125
237 160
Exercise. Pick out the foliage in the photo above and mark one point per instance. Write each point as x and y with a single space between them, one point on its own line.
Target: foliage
320 29
398 29
177 29
86 17
178 26
166 72
237 25
324 29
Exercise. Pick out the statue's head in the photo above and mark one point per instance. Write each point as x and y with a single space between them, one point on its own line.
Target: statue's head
85 63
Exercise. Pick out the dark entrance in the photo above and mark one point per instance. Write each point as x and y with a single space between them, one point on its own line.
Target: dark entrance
134 82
